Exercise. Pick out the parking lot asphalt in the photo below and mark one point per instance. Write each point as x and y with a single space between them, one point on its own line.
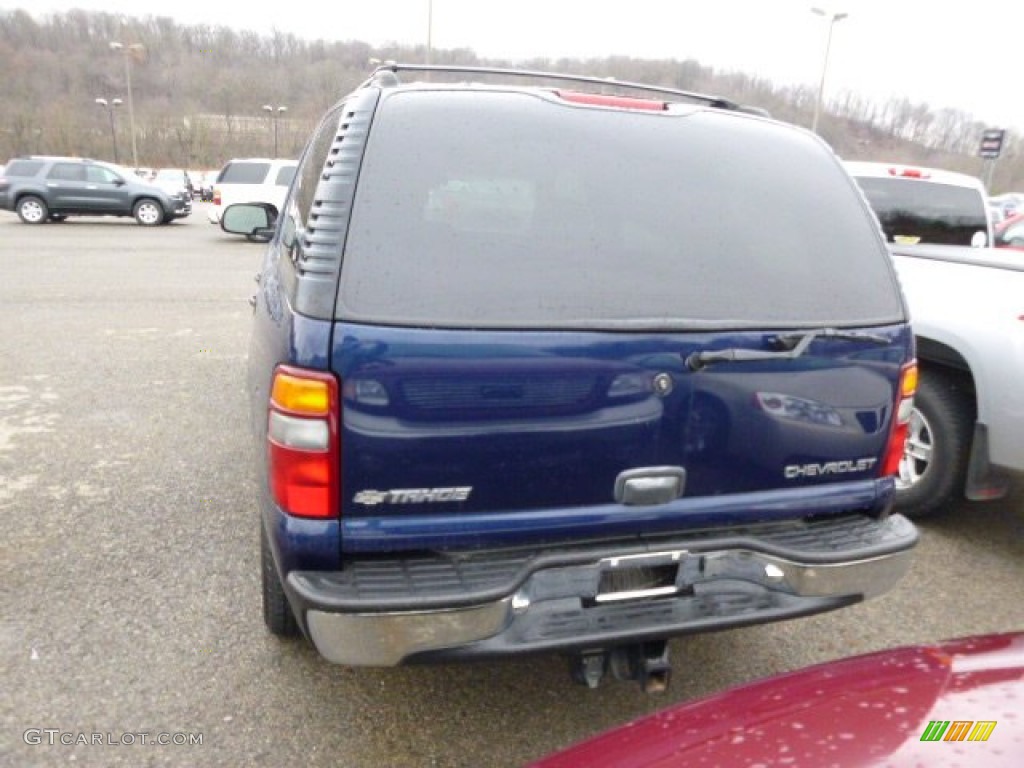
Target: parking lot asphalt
129 557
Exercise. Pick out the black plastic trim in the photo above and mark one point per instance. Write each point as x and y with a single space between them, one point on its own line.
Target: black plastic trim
444 580
323 239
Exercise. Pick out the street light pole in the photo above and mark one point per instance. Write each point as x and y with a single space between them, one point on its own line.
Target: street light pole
127 51
832 19
430 29
275 115
109 106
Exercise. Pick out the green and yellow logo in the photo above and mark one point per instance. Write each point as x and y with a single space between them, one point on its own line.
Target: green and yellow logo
958 730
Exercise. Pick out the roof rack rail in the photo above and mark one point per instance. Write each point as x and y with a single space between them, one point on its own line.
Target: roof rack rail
712 101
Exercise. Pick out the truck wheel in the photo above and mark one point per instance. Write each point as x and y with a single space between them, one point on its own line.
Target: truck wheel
32 210
277 613
148 213
934 462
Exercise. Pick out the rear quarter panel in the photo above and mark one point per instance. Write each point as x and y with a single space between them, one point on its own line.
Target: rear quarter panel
976 310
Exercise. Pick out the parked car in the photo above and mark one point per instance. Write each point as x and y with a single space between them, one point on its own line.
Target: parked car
252 180
174 180
203 185
925 205
1010 232
1010 203
41 189
965 428
955 703
517 384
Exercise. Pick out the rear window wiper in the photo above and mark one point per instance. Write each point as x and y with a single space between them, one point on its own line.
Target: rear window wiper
789 346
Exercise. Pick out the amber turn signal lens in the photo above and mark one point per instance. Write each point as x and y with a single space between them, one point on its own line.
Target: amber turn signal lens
300 395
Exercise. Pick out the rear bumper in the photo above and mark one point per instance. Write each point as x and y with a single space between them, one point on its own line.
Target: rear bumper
382 612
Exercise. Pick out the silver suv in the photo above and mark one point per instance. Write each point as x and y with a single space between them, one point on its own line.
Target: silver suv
251 180
41 189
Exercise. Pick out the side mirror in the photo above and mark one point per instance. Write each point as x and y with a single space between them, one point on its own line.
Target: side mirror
119 182
979 240
254 220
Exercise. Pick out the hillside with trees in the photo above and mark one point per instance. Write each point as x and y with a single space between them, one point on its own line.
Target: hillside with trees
198 95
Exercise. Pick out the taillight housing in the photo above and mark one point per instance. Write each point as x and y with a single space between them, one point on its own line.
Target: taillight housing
303 442
620 102
904 407
909 173
216 195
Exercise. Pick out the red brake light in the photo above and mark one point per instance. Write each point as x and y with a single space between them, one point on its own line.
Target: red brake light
909 173
622 102
216 195
904 406
303 442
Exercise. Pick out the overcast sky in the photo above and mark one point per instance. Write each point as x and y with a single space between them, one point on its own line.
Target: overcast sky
947 53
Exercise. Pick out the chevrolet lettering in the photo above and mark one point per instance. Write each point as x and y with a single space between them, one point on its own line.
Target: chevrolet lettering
794 471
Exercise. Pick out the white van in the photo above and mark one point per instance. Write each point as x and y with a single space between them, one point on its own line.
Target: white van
251 180
925 205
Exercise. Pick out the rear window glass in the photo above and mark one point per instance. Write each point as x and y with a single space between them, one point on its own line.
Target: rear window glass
913 211
528 213
285 176
23 168
244 173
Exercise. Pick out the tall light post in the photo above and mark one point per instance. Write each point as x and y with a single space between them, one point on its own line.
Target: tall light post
275 115
832 19
430 29
109 106
127 51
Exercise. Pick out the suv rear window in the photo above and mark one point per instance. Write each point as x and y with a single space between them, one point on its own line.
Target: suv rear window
531 213
244 173
23 168
926 211
285 175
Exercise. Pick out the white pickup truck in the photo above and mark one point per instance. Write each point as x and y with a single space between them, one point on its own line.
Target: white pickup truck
967 432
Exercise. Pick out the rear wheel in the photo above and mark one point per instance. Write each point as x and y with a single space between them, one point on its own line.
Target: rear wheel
32 210
277 613
148 213
934 462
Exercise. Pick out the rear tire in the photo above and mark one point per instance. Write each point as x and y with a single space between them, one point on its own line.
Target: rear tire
277 612
934 464
148 213
32 210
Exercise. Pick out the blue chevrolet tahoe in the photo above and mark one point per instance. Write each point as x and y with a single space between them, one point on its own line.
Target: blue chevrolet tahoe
564 365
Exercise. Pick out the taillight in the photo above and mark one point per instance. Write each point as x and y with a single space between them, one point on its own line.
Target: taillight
303 442
909 173
216 195
602 100
901 421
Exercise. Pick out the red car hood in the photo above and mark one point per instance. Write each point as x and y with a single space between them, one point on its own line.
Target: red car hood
869 710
